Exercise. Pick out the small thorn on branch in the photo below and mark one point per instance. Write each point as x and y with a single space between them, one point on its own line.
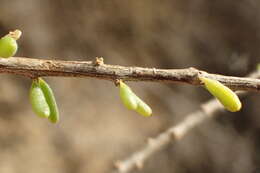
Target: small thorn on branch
99 61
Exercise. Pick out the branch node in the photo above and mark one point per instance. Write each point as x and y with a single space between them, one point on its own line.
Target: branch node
32 76
117 82
131 70
99 61
134 71
154 71
202 73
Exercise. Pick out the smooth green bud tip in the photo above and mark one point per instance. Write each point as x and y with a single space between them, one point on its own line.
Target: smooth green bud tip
143 108
226 96
50 99
8 47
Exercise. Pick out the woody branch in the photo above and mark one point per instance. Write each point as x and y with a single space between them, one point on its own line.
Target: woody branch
32 68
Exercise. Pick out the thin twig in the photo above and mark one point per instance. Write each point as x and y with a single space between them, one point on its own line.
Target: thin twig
32 68
173 134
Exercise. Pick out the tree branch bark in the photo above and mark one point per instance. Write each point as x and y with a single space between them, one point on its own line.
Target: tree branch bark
33 68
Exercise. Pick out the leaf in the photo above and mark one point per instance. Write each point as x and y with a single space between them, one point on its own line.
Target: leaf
143 108
132 101
8 47
50 99
226 96
38 101
127 96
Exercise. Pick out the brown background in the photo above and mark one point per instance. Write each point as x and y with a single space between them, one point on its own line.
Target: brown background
95 129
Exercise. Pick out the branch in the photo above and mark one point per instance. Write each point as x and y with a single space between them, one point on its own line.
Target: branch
33 68
173 134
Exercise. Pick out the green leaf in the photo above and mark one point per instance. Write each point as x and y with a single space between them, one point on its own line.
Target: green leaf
143 108
226 96
132 101
8 47
38 101
127 96
50 99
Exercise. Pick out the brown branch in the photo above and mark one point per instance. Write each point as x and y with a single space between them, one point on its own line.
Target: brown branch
173 134
32 68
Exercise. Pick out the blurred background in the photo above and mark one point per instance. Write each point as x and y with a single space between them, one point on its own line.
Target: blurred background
95 128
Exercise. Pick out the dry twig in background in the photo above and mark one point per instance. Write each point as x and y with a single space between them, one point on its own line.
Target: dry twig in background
174 133
32 68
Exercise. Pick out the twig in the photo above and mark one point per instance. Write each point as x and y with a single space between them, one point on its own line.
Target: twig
173 134
32 68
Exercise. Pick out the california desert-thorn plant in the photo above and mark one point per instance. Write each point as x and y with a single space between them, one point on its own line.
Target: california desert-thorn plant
44 104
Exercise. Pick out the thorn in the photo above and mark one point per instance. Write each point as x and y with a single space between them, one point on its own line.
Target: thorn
99 61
